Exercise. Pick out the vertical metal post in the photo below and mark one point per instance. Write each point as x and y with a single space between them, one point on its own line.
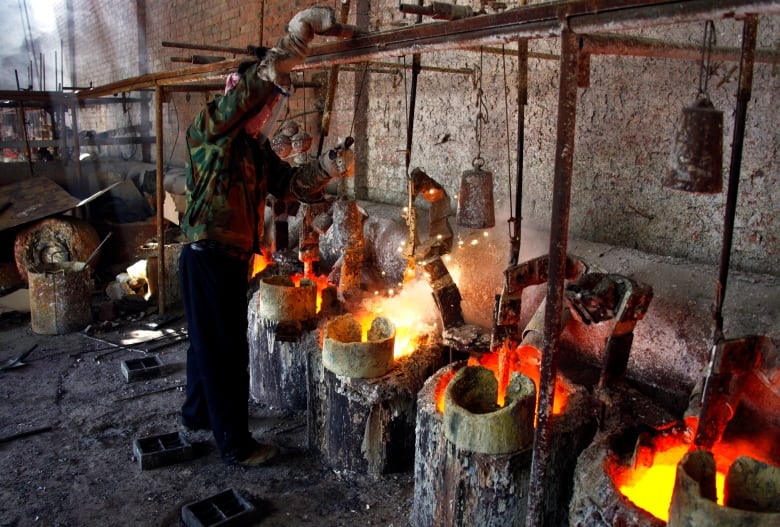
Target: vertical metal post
564 158
522 101
709 429
333 80
743 97
158 131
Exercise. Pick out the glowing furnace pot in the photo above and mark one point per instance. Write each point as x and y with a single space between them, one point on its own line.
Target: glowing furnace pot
365 425
473 421
282 335
751 493
60 297
344 354
458 487
280 300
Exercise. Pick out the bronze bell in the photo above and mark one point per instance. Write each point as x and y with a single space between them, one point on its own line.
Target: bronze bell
281 145
475 199
697 151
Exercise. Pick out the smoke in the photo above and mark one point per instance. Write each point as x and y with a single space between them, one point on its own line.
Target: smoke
28 30
478 260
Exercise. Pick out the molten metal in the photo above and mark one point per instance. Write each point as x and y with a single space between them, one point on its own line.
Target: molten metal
649 485
523 359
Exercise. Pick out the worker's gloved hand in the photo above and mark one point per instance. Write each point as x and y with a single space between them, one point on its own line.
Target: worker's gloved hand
316 20
339 161
293 48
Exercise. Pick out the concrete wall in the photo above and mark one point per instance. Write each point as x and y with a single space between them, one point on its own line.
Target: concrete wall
625 120
625 123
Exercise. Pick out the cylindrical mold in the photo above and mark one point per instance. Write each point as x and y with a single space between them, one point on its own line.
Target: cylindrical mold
697 151
693 498
473 421
475 199
280 299
60 297
344 354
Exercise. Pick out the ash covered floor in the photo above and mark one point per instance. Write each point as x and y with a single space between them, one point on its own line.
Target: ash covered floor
78 469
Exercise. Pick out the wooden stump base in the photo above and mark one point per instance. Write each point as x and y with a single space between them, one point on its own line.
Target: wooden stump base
278 360
366 426
454 487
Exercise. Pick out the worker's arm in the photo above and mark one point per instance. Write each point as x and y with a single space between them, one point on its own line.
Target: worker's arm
306 183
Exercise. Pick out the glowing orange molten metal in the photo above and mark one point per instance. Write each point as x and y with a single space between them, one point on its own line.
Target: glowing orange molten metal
409 311
441 387
320 281
523 359
407 333
650 487
258 263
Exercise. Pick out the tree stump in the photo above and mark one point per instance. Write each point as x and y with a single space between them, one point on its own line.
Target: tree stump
279 350
367 426
455 487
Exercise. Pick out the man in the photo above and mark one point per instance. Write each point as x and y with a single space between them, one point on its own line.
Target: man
230 172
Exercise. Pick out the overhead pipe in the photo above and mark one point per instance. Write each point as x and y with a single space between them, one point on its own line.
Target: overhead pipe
536 21
559 231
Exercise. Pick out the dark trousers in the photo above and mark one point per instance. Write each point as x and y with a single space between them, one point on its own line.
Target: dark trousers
214 289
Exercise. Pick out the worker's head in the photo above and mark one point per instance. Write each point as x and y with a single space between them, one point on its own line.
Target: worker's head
232 79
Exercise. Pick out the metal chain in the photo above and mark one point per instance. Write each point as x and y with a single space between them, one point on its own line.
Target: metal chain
706 55
360 94
482 115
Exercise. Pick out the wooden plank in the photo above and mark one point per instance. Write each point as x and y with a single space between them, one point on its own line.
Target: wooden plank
32 199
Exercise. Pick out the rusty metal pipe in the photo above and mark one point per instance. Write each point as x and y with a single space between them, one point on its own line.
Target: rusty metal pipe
535 21
411 214
559 230
743 97
206 47
633 46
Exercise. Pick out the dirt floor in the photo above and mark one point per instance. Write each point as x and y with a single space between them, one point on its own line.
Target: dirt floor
68 420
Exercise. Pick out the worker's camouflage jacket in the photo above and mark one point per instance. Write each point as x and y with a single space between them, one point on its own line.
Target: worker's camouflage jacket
230 173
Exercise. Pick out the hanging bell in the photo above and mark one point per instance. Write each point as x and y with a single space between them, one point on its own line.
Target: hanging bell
697 151
475 199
